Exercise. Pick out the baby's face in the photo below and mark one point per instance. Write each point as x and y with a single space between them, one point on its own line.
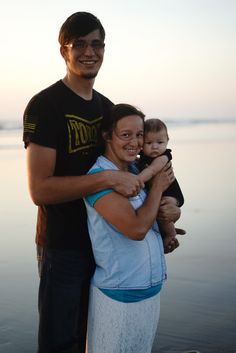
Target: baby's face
155 143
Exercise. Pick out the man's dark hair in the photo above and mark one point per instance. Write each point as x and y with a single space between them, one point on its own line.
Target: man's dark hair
78 25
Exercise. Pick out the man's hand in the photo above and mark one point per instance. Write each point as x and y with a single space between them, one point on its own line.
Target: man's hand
169 211
126 184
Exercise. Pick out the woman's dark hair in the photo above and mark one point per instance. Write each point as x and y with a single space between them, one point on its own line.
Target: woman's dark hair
78 25
154 125
110 119
116 113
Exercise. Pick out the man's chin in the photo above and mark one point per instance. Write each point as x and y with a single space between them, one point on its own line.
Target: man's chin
89 75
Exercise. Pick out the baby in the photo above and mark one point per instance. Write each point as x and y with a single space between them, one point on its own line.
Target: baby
155 145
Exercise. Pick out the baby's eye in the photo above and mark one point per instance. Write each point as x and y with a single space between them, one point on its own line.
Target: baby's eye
148 142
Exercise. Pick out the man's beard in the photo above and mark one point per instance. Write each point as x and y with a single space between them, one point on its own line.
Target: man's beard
89 75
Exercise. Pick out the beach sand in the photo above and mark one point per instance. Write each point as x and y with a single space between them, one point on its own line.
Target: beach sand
198 305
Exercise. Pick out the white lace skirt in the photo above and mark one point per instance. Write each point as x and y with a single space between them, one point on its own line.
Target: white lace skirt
115 327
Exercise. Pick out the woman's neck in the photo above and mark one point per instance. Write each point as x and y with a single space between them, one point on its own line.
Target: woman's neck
121 165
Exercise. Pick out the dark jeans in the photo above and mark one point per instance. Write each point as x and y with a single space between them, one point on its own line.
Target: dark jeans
63 302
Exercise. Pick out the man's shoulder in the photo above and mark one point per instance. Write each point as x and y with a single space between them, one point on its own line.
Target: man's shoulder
105 100
46 97
49 91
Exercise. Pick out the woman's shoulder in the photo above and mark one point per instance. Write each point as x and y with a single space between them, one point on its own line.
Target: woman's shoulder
102 163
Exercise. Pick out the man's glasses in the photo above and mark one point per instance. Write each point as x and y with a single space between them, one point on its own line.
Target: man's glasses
82 45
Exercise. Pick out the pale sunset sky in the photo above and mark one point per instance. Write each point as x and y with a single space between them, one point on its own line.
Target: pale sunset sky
171 58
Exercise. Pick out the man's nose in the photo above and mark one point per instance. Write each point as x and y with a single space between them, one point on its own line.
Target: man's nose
88 50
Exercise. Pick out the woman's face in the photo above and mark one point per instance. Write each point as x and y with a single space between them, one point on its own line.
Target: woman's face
126 141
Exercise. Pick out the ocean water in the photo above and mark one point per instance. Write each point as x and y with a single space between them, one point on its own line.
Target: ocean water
198 301
198 305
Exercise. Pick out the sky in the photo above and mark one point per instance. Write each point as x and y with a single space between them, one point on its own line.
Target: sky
174 59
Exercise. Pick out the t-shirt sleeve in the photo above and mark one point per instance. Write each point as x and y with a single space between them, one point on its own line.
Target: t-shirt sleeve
39 122
168 154
91 199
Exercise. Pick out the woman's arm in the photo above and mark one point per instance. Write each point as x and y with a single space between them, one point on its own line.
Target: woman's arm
117 210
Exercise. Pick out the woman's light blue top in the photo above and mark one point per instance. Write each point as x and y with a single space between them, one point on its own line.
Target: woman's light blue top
123 264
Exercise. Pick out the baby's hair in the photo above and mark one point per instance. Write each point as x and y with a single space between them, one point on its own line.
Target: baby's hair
155 125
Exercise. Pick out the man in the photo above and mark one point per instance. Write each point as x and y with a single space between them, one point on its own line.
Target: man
61 134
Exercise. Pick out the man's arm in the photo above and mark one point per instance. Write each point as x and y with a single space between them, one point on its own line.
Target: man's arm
45 188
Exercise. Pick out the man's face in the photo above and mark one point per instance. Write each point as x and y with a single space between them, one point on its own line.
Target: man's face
84 55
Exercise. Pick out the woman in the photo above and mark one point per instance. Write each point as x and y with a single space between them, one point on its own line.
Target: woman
128 250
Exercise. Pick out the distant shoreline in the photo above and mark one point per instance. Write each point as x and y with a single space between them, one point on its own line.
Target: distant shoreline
12 125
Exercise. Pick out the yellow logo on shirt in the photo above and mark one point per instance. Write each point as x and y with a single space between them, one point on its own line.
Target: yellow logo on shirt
83 133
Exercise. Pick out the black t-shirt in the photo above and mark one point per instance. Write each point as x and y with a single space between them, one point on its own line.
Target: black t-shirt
58 118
